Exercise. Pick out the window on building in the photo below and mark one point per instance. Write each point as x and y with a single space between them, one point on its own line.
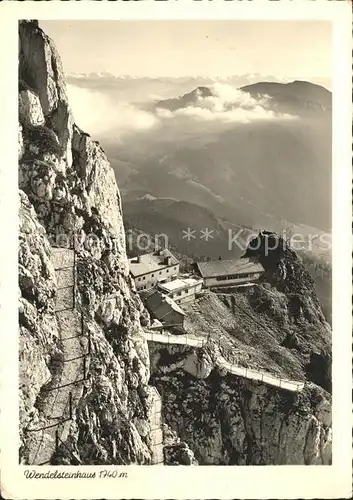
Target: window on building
152 275
167 270
160 272
144 278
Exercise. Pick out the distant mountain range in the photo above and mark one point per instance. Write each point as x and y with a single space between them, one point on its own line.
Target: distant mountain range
237 79
190 98
266 173
296 96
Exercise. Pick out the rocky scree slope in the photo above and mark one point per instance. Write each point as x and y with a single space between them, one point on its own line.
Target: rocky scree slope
277 327
68 188
309 334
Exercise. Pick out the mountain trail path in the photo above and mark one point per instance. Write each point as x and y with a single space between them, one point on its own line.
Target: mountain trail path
67 384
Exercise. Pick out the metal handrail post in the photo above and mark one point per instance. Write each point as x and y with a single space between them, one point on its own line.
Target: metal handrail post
74 272
70 405
56 439
89 342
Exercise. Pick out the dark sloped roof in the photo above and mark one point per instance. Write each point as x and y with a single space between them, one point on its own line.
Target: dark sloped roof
161 306
226 267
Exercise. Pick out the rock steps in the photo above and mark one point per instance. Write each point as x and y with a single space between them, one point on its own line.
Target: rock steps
60 401
156 428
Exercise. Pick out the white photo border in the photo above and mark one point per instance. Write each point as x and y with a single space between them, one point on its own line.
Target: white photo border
220 482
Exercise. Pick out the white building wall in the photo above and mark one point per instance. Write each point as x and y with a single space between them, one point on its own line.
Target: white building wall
151 279
186 294
228 282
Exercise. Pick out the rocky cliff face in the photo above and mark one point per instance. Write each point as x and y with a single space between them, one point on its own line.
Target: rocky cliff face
296 302
277 327
228 420
69 197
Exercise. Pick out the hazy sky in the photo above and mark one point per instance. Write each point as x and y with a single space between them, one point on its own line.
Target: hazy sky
204 48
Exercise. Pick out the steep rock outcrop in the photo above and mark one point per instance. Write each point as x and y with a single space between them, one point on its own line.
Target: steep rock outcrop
38 327
228 420
176 452
69 198
168 358
285 272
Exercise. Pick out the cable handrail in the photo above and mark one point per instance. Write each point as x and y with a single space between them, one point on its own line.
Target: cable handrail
62 268
65 288
155 390
78 378
64 385
263 376
47 427
78 461
58 424
168 338
43 428
64 420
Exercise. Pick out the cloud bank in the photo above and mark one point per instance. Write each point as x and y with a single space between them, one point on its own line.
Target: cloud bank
227 105
104 116
96 112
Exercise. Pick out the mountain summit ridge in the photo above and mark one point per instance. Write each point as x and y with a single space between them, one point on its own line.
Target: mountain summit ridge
301 91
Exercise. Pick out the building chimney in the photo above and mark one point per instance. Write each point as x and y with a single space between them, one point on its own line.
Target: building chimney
138 259
168 260
219 258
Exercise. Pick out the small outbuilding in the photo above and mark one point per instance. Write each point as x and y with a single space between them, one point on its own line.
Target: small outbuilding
164 309
182 290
